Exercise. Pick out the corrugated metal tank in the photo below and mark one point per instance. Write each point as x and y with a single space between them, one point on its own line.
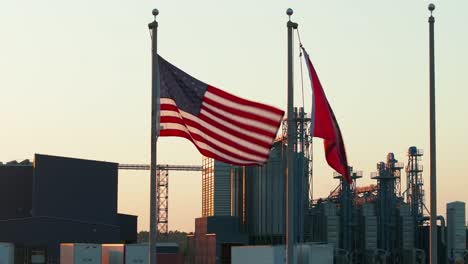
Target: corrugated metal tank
332 223
369 225
406 227
258 197
456 229
265 198
222 188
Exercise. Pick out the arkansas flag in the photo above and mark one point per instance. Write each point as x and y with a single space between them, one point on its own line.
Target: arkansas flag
324 125
222 126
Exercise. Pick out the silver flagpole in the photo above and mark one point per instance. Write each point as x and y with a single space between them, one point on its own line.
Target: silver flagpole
154 138
290 190
433 234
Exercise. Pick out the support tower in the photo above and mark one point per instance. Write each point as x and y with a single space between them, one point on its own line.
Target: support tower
303 164
347 198
388 177
414 189
162 200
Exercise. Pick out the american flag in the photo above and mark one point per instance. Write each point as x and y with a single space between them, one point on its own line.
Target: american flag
222 126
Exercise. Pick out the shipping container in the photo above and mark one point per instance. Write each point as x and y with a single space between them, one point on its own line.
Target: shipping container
80 253
139 253
136 253
113 254
7 253
258 255
306 254
38 256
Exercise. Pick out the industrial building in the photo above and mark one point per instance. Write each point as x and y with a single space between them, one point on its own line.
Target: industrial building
217 230
64 200
261 203
385 222
60 200
246 205
456 230
216 191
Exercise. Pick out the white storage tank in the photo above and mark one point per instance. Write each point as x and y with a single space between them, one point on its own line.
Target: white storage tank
456 229
407 227
80 253
369 225
136 253
7 253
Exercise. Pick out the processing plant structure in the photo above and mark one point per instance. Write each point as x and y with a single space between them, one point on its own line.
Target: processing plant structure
243 209
382 222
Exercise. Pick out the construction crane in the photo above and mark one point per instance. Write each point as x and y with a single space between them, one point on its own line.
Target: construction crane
162 188
160 167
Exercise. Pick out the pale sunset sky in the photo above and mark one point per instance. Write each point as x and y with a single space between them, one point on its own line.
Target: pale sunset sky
75 81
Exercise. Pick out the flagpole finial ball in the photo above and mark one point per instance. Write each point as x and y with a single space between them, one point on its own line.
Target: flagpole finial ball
431 7
289 12
155 12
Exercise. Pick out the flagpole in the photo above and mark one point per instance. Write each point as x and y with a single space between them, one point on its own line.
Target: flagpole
290 190
153 26
433 233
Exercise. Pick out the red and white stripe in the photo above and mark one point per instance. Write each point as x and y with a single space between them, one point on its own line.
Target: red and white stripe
228 128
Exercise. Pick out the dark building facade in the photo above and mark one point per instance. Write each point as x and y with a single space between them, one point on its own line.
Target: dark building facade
61 200
75 189
15 191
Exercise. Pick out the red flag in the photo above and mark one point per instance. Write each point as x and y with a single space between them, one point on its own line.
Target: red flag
325 125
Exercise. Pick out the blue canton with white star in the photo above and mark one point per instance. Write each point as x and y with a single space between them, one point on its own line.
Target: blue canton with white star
185 90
